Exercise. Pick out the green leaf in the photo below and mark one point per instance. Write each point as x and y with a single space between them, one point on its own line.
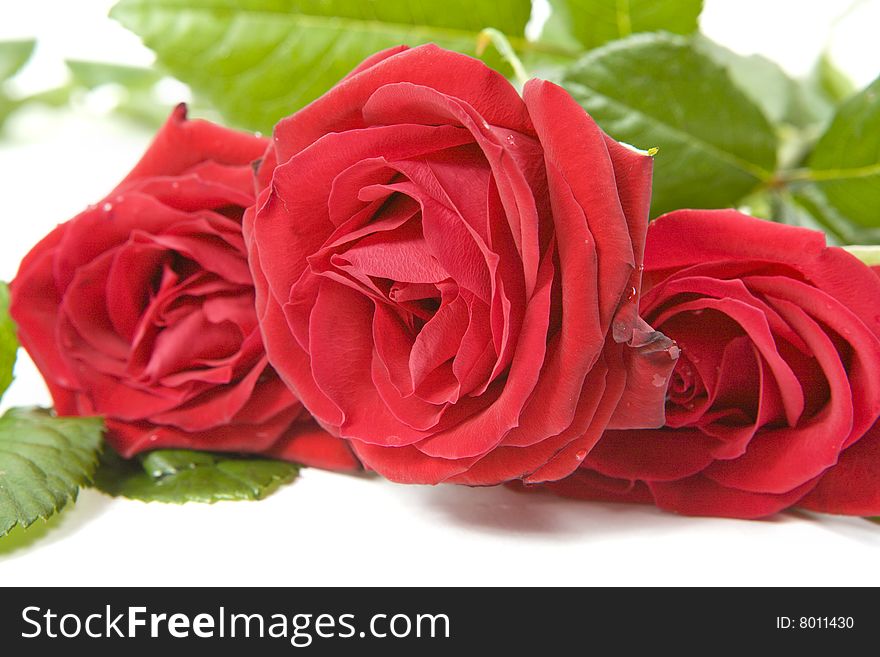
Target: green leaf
502 44
92 75
782 98
808 198
8 340
659 90
134 87
788 209
845 164
819 95
778 204
758 204
833 82
557 29
55 97
20 538
797 108
556 47
43 462
260 60
13 56
178 476
869 254
594 22
763 81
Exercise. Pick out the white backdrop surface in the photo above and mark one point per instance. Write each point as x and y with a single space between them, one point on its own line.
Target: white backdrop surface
331 529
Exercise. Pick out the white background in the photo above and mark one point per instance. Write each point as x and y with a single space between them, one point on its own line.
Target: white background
333 529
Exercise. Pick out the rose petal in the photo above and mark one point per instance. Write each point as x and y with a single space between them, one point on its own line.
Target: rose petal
486 429
585 484
852 486
865 343
294 212
573 142
700 496
398 255
652 455
685 237
341 364
755 325
182 144
648 360
408 465
779 460
308 444
405 103
507 463
130 438
339 110
33 304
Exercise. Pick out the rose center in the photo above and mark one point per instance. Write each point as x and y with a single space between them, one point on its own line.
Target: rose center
192 323
410 240
420 301
686 384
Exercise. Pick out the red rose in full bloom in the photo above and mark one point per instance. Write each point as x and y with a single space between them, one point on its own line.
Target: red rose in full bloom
448 274
773 400
141 309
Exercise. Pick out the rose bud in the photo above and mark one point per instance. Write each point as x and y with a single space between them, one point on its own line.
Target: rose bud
447 274
774 397
141 309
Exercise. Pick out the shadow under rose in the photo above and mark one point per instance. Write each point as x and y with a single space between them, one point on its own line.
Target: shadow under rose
863 530
500 510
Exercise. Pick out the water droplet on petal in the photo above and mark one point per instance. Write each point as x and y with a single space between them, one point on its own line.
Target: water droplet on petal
658 380
153 437
107 207
632 294
581 455
619 331
511 140
486 124
175 185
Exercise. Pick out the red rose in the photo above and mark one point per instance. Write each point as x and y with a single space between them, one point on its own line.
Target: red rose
447 274
141 309
778 380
